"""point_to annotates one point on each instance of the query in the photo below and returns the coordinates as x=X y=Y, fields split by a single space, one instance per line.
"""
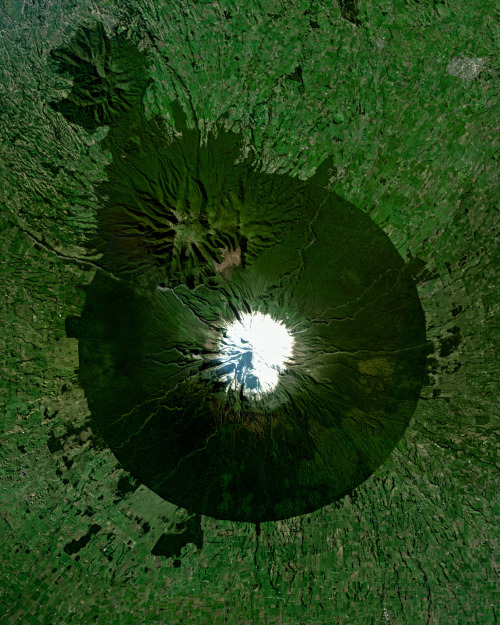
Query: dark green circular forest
x=192 y=236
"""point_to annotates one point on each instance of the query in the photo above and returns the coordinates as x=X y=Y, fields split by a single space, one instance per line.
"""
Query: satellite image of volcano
x=250 y=270
x=195 y=242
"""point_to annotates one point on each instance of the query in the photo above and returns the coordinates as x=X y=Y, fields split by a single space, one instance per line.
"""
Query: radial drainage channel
x=253 y=351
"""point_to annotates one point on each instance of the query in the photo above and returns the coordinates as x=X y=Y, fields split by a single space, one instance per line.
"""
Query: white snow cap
x=253 y=351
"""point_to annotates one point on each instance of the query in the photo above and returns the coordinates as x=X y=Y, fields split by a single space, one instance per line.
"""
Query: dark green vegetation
x=173 y=211
x=406 y=106
x=145 y=365
x=110 y=77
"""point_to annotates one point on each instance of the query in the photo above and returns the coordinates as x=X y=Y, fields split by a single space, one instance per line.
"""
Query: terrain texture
x=390 y=110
